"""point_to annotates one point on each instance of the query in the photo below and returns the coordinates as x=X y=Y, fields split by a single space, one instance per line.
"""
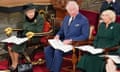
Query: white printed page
x=90 y=49
x=115 y=58
x=85 y=47
x=66 y=48
x=96 y=51
x=15 y=40
x=53 y=43
x=20 y=40
x=57 y=44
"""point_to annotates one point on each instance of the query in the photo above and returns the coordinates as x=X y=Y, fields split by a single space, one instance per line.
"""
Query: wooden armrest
x=85 y=42
x=50 y=37
x=106 y=50
x=37 y=34
x=17 y=29
x=44 y=33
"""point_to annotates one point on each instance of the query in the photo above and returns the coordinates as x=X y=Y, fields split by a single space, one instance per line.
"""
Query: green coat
x=105 y=38
x=35 y=26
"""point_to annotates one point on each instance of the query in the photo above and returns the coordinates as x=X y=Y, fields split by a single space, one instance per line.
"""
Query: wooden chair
x=93 y=21
x=74 y=56
x=48 y=30
x=75 y=53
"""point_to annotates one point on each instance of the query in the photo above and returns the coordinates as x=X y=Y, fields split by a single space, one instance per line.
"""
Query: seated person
x=108 y=36
x=71 y=30
x=33 y=23
x=112 y=5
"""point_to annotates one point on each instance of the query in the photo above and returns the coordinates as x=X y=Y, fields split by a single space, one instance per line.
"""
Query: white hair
x=72 y=3
x=111 y=14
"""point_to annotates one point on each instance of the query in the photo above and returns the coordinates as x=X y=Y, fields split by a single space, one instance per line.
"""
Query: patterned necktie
x=69 y=23
x=72 y=18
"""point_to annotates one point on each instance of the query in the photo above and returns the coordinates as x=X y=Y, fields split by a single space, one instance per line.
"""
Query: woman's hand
x=29 y=35
x=8 y=31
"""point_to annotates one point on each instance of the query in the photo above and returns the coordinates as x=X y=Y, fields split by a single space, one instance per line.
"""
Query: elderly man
x=75 y=27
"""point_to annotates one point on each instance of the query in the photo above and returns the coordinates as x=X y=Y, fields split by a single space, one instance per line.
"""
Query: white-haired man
x=75 y=27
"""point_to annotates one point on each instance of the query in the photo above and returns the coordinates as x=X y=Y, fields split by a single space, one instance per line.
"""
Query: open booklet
x=58 y=44
x=15 y=40
x=90 y=49
x=115 y=58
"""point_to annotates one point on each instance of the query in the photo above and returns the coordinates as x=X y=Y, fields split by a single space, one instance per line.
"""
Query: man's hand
x=8 y=31
x=57 y=37
x=68 y=41
x=29 y=35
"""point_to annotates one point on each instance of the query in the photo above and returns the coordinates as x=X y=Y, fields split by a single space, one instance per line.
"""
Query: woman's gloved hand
x=29 y=35
x=8 y=31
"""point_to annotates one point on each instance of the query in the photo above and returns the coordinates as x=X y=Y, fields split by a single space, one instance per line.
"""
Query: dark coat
x=106 y=38
x=35 y=25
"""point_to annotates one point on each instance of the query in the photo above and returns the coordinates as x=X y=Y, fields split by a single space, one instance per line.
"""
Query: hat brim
x=29 y=7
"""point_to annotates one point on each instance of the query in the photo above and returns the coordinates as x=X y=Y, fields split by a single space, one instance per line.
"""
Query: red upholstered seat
x=118 y=19
x=46 y=28
x=93 y=17
x=3 y=65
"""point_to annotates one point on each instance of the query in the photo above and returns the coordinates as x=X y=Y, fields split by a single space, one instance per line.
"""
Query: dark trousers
x=53 y=58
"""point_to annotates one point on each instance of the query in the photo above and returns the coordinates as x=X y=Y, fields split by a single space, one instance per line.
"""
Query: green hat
x=29 y=7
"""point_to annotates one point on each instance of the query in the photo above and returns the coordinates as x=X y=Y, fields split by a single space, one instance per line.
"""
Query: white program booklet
x=115 y=58
x=15 y=40
x=58 y=44
x=90 y=49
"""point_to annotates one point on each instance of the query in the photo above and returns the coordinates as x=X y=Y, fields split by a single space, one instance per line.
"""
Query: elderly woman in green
x=108 y=36
x=33 y=23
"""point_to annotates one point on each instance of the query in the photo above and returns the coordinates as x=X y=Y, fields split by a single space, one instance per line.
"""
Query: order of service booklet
x=115 y=58
x=15 y=40
x=90 y=49
x=58 y=44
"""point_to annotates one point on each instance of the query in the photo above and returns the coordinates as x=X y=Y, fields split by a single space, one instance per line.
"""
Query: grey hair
x=111 y=14
x=73 y=3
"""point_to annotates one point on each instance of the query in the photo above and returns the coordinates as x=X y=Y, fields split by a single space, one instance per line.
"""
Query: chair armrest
x=50 y=37
x=44 y=33
x=85 y=42
x=38 y=34
x=107 y=50
x=17 y=29
x=75 y=58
